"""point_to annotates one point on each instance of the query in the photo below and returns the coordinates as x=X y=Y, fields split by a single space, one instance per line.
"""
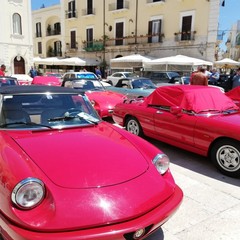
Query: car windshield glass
x=173 y=74
x=130 y=74
x=46 y=111
x=88 y=85
x=143 y=83
x=86 y=75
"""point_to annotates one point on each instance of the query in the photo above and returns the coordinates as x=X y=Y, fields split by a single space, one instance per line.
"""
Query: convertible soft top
x=191 y=98
x=234 y=94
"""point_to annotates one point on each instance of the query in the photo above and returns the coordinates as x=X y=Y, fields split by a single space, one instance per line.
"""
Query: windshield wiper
x=24 y=123
x=82 y=115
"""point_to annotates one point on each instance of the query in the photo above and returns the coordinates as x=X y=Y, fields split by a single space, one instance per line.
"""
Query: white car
x=113 y=79
x=23 y=79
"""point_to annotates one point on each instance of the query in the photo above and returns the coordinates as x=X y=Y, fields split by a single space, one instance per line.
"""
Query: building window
x=119 y=33
x=120 y=4
x=39 y=47
x=57 y=28
x=71 y=9
x=73 y=39
x=38 y=30
x=58 y=48
x=89 y=6
x=154 y=31
x=17 y=24
x=186 y=28
x=89 y=34
x=238 y=40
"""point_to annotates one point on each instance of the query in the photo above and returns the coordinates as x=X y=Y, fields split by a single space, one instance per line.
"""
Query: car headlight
x=161 y=162
x=28 y=193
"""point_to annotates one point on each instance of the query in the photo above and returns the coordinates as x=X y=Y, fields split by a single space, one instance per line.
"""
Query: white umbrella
x=73 y=61
x=46 y=61
x=226 y=63
x=131 y=58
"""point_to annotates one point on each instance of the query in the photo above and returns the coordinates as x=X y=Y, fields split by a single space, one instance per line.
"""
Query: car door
x=175 y=127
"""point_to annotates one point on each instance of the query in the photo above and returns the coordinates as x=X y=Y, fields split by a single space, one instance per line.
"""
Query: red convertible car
x=102 y=99
x=58 y=182
x=234 y=94
x=196 y=118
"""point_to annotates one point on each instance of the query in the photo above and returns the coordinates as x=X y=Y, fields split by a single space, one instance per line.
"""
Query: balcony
x=185 y=36
x=130 y=40
x=88 y=11
x=155 y=2
x=53 y=32
x=93 y=46
x=70 y=14
x=116 y=7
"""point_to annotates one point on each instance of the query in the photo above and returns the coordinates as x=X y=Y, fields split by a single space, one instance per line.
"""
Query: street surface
x=211 y=204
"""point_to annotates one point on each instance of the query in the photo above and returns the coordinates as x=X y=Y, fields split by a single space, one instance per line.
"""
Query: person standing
x=214 y=77
x=33 y=72
x=199 y=78
x=236 y=79
x=98 y=72
x=2 y=70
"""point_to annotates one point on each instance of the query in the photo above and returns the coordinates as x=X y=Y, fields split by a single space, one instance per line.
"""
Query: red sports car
x=234 y=94
x=57 y=180
x=196 y=118
x=103 y=100
x=46 y=80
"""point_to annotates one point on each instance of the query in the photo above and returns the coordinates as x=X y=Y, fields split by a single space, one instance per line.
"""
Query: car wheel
x=133 y=126
x=225 y=154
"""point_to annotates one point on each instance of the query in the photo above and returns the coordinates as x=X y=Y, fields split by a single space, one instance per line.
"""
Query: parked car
x=113 y=79
x=46 y=80
x=54 y=74
x=225 y=81
x=8 y=81
x=234 y=94
x=23 y=79
x=58 y=182
x=134 y=87
x=199 y=119
x=161 y=78
x=102 y=99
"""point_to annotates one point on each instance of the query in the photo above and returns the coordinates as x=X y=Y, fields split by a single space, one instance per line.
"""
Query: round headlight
x=161 y=162
x=28 y=193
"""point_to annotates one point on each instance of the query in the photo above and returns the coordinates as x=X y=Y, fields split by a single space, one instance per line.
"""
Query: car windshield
x=143 y=83
x=46 y=111
x=87 y=85
x=86 y=75
x=130 y=74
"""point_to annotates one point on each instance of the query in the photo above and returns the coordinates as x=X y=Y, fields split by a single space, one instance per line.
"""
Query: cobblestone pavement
x=211 y=204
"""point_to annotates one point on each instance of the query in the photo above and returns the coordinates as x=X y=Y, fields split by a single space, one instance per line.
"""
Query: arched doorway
x=19 y=65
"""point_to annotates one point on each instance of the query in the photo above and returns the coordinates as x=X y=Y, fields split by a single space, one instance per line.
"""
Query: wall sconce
x=130 y=20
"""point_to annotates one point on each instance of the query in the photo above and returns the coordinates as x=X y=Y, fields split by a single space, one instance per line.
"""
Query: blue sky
x=229 y=14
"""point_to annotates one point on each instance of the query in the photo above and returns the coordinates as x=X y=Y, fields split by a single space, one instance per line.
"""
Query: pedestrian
x=196 y=71
x=33 y=72
x=2 y=70
x=236 y=79
x=199 y=78
x=98 y=72
x=214 y=77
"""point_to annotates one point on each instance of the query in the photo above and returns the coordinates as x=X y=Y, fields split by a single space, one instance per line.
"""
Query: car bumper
x=151 y=221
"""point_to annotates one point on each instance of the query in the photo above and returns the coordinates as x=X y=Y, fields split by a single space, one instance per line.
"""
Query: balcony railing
x=114 y=6
x=185 y=36
x=88 y=11
x=71 y=14
x=93 y=46
x=53 y=32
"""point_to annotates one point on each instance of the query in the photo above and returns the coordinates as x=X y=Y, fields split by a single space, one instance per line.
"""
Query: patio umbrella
x=72 y=61
x=227 y=63
x=46 y=61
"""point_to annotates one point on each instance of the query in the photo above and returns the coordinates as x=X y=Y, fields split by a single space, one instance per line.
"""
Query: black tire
x=225 y=155
x=134 y=127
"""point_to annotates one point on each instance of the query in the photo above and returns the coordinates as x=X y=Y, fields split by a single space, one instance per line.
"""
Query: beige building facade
x=106 y=29
x=16 y=43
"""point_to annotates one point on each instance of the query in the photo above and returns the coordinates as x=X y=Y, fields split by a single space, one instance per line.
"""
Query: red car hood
x=85 y=157
x=106 y=97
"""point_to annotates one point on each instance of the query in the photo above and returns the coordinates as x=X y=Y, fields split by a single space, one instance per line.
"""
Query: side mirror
x=176 y=110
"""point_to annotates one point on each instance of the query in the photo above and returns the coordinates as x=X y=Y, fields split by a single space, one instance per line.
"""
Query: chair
x=13 y=113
